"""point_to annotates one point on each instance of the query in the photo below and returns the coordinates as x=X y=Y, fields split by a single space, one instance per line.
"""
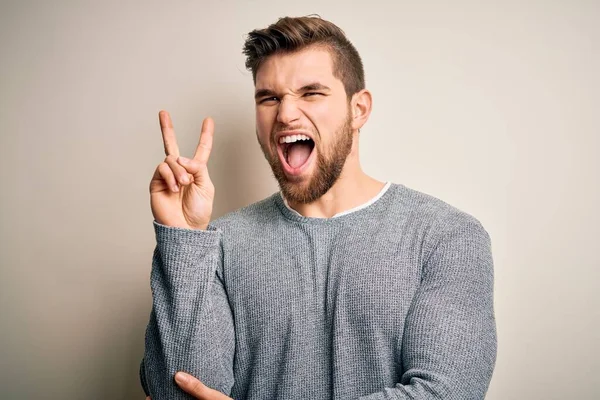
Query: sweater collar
x=295 y=215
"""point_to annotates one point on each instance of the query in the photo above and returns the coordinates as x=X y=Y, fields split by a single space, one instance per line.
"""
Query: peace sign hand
x=181 y=192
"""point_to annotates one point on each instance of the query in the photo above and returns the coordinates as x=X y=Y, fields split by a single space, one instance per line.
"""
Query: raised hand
x=181 y=192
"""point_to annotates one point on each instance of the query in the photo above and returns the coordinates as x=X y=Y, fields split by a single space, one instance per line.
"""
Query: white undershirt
x=367 y=204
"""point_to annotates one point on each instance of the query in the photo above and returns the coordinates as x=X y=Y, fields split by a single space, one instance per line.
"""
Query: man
x=340 y=286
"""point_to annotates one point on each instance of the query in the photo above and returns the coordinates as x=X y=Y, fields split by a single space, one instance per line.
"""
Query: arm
x=191 y=325
x=449 y=345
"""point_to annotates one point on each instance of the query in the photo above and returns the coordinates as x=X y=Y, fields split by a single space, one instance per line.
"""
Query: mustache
x=285 y=128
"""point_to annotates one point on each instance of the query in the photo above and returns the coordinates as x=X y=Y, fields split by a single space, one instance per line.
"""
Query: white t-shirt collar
x=365 y=205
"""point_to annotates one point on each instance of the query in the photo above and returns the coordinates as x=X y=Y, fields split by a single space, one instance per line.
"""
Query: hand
x=181 y=192
x=193 y=386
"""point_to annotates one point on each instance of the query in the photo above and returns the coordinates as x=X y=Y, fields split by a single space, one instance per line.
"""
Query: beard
x=329 y=165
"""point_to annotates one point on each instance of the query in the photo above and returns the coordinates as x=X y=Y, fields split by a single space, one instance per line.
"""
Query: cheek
x=326 y=119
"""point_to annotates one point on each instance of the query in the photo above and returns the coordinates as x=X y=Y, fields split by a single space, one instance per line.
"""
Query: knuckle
x=166 y=173
x=163 y=167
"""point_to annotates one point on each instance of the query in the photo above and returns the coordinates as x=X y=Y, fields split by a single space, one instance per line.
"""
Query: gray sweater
x=393 y=301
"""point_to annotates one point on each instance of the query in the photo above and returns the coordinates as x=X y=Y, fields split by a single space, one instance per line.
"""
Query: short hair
x=289 y=35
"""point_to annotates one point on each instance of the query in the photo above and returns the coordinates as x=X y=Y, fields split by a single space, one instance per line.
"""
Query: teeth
x=293 y=138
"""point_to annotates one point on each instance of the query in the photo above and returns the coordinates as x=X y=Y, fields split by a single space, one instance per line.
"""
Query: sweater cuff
x=181 y=236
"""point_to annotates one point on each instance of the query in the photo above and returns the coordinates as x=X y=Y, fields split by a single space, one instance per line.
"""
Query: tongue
x=298 y=153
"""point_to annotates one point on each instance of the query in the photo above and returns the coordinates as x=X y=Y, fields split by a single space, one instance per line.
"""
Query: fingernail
x=175 y=188
x=181 y=378
x=183 y=160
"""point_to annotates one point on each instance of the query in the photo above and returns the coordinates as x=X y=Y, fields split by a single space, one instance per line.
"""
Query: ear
x=361 y=104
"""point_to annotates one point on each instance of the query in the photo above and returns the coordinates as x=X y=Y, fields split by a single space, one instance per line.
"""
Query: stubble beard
x=326 y=171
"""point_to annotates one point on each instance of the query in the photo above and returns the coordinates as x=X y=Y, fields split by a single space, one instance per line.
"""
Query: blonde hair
x=289 y=35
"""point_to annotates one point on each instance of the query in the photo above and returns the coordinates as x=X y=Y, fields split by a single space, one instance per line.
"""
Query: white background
x=491 y=106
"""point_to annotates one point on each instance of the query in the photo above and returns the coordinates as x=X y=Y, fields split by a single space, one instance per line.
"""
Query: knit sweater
x=391 y=301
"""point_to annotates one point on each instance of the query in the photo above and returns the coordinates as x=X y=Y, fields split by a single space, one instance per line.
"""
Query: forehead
x=294 y=70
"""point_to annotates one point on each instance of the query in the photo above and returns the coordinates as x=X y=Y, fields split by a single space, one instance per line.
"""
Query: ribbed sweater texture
x=392 y=301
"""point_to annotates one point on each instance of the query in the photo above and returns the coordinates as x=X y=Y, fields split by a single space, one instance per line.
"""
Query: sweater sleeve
x=449 y=345
x=191 y=324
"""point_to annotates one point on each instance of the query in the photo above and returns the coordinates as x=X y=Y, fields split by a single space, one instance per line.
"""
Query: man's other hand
x=193 y=386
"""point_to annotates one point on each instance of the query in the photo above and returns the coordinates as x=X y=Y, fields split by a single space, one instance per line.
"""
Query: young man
x=338 y=287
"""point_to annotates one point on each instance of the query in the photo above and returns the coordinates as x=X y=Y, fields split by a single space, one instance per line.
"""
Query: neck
x=352 y=189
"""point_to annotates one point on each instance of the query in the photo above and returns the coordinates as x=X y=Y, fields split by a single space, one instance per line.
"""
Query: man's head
x=309 y=82
x=288 y=35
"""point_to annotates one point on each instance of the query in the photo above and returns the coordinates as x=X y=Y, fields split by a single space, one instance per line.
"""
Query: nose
x=288 y=111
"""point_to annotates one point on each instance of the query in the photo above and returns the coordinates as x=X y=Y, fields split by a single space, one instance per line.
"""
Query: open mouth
x=296 y=152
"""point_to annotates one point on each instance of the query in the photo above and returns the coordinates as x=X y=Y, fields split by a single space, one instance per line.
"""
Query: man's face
x=303 y=122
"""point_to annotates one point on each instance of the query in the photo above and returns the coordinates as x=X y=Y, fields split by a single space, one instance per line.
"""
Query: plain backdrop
x=492 y=106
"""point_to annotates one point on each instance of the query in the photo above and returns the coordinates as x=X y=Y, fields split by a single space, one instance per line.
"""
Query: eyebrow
x=313 y=86
x=306 y=88
x=264 y=93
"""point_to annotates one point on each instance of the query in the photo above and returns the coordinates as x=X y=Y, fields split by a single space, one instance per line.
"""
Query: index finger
x=168 y=134
x=206 y=140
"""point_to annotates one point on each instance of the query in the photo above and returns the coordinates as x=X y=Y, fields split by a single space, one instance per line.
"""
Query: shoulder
x=437 y=217
x=450 y=239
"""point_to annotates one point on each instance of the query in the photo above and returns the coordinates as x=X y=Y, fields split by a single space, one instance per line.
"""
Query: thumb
x=196 y=168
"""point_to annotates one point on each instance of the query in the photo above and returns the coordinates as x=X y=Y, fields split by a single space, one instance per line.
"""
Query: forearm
x=466 y=379
x=449 y=344
x=190 y=327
